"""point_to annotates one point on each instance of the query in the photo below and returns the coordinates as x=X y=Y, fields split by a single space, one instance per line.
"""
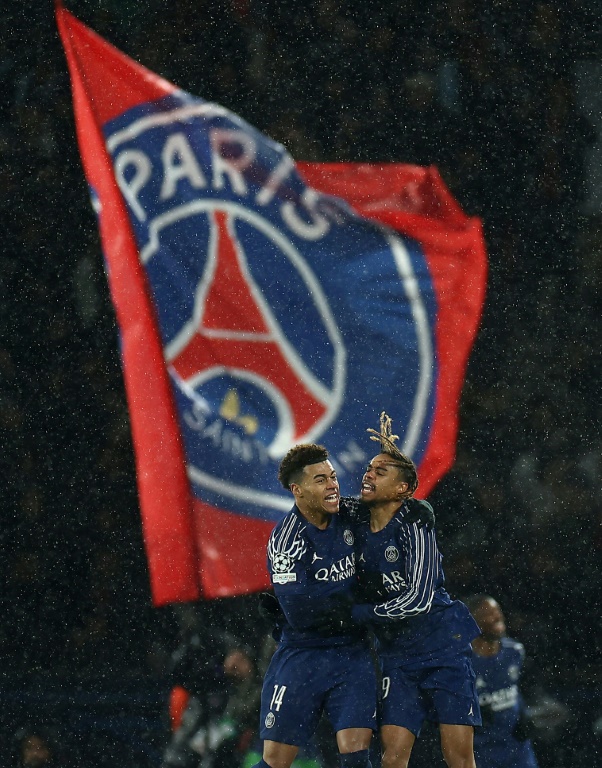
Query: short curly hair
x=300 y=456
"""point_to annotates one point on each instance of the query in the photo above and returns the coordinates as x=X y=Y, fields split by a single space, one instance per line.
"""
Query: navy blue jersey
x=311 y=570
x=497 y=680
x=419 y=619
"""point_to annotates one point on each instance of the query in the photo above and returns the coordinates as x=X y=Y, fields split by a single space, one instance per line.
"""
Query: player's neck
x=483 y=647
x=382 y=514
x=319 y=519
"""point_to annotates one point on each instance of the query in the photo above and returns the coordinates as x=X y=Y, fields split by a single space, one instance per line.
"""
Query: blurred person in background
x=198 y=695
x=39 y=747
x=504 y=740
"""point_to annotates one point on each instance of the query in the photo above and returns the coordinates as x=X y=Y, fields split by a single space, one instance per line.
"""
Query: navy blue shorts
x=442 y=691
x=301 y=683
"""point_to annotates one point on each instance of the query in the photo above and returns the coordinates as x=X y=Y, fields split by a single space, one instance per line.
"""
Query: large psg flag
x=262 y=304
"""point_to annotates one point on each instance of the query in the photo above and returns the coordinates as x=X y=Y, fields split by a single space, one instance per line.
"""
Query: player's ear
x=403 y=491
x=296 y=490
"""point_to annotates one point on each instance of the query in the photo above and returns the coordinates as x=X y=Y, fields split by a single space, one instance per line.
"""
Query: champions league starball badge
x=281 y=563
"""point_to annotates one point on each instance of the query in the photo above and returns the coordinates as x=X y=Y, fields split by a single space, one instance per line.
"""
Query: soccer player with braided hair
x=424 y=637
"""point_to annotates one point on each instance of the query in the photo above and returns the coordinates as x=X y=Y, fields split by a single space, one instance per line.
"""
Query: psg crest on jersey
x=262 y=304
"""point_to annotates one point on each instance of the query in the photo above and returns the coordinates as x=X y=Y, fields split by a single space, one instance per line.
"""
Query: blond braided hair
x=387 y=439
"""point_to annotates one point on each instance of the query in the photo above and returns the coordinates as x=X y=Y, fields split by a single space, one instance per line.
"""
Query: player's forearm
x=391 y=611
x=421 y=568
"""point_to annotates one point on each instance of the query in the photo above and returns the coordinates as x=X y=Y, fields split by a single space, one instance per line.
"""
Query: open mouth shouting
x=367 y=488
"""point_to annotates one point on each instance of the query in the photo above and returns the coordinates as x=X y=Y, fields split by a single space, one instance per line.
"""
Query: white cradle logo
x=270 y=720
x=348 y=537
x=391 y=554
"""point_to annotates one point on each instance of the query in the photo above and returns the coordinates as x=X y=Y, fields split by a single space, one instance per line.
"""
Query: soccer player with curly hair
x=318 y=665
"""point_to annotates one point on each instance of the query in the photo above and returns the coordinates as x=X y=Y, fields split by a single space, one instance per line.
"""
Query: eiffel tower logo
x=233 y=332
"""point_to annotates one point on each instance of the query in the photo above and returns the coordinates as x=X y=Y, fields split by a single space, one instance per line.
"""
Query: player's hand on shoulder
x=420 y=512
x=355 y=508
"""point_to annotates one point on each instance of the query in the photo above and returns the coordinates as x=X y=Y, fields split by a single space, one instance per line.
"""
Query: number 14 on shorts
x=277 y=697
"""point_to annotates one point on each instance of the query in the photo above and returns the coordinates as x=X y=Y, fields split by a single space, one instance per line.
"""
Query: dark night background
x=491 y=92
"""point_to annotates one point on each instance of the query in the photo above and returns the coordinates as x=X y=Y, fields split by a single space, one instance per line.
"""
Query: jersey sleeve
x=287 y=547
x=421 y=555
x=289 y=556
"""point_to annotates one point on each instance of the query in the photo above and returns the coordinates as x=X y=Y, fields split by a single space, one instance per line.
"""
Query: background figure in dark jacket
x=198 y=696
